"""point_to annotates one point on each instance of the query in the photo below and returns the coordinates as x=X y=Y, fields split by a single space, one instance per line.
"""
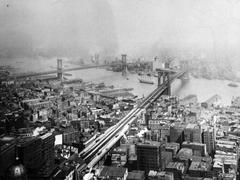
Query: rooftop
x=136 y=175
x=150 y=144
x=199 y=166
x=175 y=165
x=109 y=171
x=192 y=126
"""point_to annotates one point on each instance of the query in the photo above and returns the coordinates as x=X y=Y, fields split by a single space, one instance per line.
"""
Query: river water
x=203 y=88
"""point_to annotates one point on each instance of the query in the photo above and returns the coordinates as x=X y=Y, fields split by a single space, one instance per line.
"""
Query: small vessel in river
x=232 y=85
x=146 y=80
x=67 y=74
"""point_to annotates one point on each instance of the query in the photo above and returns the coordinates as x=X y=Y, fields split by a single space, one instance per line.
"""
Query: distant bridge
x=59 y=71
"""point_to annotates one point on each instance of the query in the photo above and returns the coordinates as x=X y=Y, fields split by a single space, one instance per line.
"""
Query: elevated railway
x=102 y=144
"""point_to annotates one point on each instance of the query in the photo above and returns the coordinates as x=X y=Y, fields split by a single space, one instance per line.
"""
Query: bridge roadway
x=24 y=75
x=93 y=153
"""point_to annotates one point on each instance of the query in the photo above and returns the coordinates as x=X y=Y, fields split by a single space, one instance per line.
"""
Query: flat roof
x=112 y=171
x=199 y=166
x=176 y=165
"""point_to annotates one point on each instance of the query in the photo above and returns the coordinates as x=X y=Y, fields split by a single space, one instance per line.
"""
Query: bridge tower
x=124 y=64
x=184 y=66
x=59 y=69
x=163 y=79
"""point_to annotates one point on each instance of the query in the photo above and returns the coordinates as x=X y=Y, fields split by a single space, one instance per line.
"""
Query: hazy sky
x=136 y=27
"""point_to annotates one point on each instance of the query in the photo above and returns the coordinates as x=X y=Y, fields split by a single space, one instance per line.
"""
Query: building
x=113 y=173
x=47 y=148
x=172 y=147
x=185 y=154
x=198 y=149
x=136 y=175
x=166 y=157
x=37 y=154
x=209 y=139
x=119 y=155
x=149 y=156
x=200 y=169
x=176 y=132
x=29 y=151
x=157 y=63
x=70 y=136
x=164 y=132
x=7 y=154
x=193 y=133
x=177 y=168
x=162 y=175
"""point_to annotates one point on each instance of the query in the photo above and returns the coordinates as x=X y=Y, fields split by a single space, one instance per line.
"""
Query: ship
x=67 y=74
x=146 y=80
x=232 y=85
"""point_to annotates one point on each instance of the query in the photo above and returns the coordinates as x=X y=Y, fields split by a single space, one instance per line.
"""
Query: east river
x=203 y=88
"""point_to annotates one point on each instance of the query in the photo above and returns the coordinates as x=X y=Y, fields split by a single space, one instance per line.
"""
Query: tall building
x=193 y=133
x=149 y=156
x=7 y=154
x=30 y=153
x=176 y=132
x=48 y=140
x=71 y=136
x=209 y=138
x=37 y=154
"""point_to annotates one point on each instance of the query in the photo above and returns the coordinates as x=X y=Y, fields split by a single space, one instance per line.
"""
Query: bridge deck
x=23 y=75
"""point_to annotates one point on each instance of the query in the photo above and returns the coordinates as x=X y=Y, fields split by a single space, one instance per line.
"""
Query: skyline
x=137 y=28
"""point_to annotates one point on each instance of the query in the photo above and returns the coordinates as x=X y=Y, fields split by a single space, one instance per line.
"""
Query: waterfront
x=203 y=88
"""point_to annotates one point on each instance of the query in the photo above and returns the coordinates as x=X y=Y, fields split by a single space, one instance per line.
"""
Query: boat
x=232 y=85
x=67 y=74
x=145 y=80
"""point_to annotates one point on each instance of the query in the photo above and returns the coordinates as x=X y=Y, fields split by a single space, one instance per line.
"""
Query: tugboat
x=232 y=85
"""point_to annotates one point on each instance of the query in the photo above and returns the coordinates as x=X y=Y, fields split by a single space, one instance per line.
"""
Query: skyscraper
x=29 y=152
x=149 y=156
x=176 y=132
x=48 y=140
x=209 y=138
x=193 y=133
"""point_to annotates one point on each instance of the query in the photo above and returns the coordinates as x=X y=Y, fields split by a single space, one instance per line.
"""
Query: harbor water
x=203 y=88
